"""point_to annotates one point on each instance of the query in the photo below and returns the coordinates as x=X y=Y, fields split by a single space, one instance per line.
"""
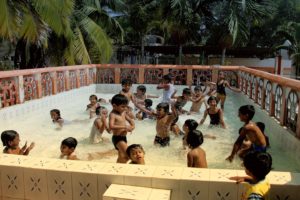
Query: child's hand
x=238 y=179
x=129 y=128
x=31 y=146
x=230 y=158
x=24 y=147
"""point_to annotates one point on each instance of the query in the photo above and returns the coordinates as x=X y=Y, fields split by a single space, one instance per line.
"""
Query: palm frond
x=8 y=19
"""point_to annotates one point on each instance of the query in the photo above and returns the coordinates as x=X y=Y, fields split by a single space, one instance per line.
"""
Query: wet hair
x=194 y=138
x=7 y=136
x=247 y=110
x=119 y=99
x=148 y=103
x=93 y=96
x=142 y=88
x=69 y=142
x=164 y=106
x=167 y=78
x=56 y=111
x=99 y=109
x=126 y=82
x=198 y=88
x=186 y=91
x=258 y=163
x=211 y=98
x=133 y=146
x=191 y=124
x=261 y=126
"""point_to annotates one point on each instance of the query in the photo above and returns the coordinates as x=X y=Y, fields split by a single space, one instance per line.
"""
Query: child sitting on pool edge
x=136 y=154
x=117 y=124
x=11 y=141
x=67 y=148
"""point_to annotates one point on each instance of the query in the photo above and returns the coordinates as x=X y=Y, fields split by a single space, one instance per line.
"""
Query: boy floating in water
x=117 y=124
x=250 y=131
x=67 y=148
x=11 y=141
x=136 y=154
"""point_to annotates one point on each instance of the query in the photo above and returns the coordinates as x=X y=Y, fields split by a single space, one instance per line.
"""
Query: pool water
x=39 y=128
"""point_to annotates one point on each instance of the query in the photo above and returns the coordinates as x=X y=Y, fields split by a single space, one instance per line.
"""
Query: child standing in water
x=11 y=141
x=140 y=96
x=136 y=154
x=67 y=148
x=142 y=115
x=197 y=100
x=56 y=118
x=196 y=157
x=250 y=131
x=257 y=166
x=99 y=125
x=215 y=113
x=126 y=86
x=168 y=88
x=93 y=105
x=117 y=124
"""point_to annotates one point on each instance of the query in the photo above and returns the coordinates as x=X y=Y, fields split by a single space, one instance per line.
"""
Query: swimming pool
x=37 y=126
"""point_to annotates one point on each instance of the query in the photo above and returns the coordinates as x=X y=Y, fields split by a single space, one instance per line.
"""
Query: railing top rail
x=24 y=72
x=283 y=81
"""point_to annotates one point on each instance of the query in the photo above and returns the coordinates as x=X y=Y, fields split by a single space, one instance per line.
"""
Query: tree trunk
x=180 y=54
x=223 y=56
x=20 y=55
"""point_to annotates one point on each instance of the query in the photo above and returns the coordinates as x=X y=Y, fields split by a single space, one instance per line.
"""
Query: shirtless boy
x=117 y=124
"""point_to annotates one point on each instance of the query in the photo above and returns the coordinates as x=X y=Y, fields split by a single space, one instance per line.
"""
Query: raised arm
x=221 y=118
x=203 y=118
x=163 y=86
x=232 y=88
x=143 y=109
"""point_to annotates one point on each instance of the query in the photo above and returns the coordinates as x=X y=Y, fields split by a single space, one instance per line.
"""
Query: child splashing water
x=11 y=141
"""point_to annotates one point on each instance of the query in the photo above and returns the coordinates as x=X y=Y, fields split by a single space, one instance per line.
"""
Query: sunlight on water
x=39 y=128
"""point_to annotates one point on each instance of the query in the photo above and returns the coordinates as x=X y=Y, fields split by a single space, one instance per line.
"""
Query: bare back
x=254 y=134
x=197 y=158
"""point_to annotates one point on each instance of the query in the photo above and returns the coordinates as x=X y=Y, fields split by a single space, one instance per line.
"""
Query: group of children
x=251 y=145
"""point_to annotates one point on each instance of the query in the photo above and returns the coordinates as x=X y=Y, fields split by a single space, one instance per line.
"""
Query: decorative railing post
x=189 y=76
x=141 y=75
x=298 y=122
x=67 y=79
x=283 y=107
x=272 y=104
x=117 y=75
x=215 y=71
x=77 y=72
x=263 y=96
x=54 y=82
x=87 y=77
x=165 y=71
x=256 y=91
x=20 y=84
x=38 y=78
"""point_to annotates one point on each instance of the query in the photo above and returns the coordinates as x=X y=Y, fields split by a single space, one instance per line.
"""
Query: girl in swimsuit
x=215 y=113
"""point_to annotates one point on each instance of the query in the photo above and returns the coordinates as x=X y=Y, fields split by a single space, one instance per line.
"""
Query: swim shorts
x=118 y=138
x=162 y=141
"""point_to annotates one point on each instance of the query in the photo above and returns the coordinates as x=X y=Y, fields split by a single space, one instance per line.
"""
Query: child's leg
x=122 y=156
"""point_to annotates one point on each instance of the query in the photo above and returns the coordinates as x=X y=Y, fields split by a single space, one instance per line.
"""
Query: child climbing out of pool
x=99 y=125
x=167 y=87
x=257 y=166
x=140 y=96
x=215 y=113
x=189 y=126
x=94 y=103
x=118 y=119
x=56 y=118
x=11 y=141
x=198 y=98
x=148 y=106
x=250 y=131
x=164 y=119
x=136 y=154
x=67 y=149
x=196 y=156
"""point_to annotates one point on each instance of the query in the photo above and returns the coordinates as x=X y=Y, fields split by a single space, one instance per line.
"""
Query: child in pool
x=257 y=166
x=168 y=88
x=189 y=126
x=142 y=115
x=117 y=124
x=91 y=107
x=56 y=118
x=126 y=86
x=99 y=125
x=196 y=157
x=215 y=113
x=140 y=96
x=198 y=98
x=11 y=141
x=136 y=154
x=182 y=100
x=250 y=131
x=164 y=119
x=67 y=148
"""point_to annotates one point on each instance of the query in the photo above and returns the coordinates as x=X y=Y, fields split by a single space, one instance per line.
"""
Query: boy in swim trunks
x=117 y=124
x=164 y=119
x=250 y=131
